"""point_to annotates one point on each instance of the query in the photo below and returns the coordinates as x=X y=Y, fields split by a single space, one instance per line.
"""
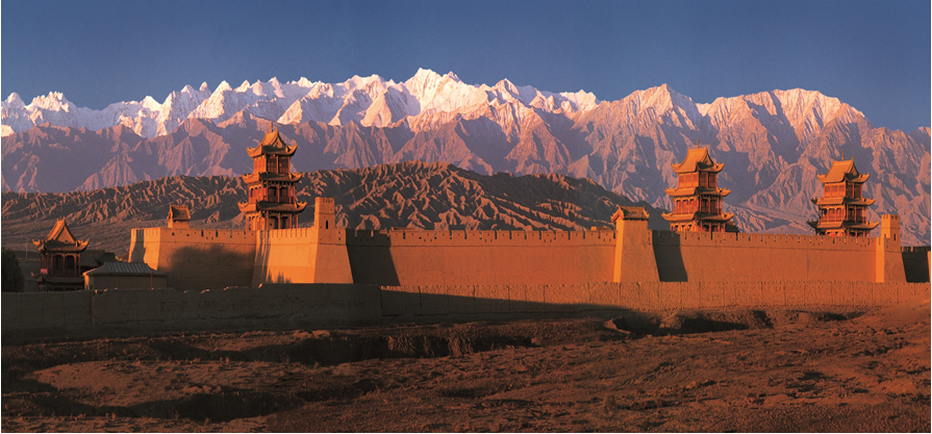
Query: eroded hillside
x=414 y=194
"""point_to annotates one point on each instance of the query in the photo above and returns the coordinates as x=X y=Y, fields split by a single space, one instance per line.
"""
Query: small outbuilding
x=124 y=275
x=178 y=216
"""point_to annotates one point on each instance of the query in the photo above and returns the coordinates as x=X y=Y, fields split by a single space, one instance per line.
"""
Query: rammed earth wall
x=201 y=258
x=444 y=257
x=711 y=257
x=303 y=306
x=197 y=258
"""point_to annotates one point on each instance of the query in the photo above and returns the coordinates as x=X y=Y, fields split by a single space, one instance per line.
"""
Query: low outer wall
x=142 y=311
x=463 y=302
x=296 y=306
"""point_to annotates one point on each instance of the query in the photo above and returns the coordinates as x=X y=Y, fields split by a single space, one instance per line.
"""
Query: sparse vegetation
x=12 y=273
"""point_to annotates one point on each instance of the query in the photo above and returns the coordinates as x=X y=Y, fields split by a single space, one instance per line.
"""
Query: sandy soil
x=721 y=371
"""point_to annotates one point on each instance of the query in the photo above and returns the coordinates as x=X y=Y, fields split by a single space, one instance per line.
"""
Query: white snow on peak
x=14 y=101
x=222 y=87
x=304 y=82
x=426 y=100
x=55 y=101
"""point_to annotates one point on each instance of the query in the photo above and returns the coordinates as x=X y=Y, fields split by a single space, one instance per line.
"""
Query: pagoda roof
x=256 y=177
x=843 y=170
x=822 y=201
x=272 y=206
x=60 y=239
x=693 y=191
x=272 y=144
x=697 y=160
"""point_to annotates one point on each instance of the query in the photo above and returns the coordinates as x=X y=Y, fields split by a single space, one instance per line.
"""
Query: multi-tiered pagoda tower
x=271 y=185
x=697 y=200
x=842 y=207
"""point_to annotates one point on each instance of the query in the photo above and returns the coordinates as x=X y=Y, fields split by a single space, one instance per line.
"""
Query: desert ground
x=740 y=370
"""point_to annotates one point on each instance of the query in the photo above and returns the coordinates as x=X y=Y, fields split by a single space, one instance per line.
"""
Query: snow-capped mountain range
x=427 y=98
x=773 y=143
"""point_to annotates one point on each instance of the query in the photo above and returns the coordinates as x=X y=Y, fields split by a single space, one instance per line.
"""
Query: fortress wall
x=304 y=306
x=709 y=257
x=285 y=256
x=197 y=259
x=443 y=257
x=302 y=255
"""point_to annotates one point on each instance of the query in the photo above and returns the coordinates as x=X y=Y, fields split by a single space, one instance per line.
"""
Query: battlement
x=467 y=238
x=890 y=226
x=198 y=235
x=757 y=240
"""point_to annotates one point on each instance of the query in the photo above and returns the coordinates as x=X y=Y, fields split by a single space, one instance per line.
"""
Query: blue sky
x=873 y=55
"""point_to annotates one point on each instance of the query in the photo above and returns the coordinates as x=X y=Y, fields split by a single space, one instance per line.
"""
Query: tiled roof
x=125 y=268
x=697 y=159
x=842 y=170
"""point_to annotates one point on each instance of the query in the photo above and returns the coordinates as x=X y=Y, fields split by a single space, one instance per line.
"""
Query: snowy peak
x=426 y=101
x=14 y=101
x=806 y=112
x=55 y=101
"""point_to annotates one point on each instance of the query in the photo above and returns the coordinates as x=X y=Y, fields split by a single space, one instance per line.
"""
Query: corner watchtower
x=271 y=185
x=697 y=200
x=842 y=207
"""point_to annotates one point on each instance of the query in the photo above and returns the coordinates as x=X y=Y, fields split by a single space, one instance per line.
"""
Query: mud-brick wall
x=711 y=257
x=444 y=257
x=197 y=259
x=302 y=306
x=479 y=302
x=136 y=311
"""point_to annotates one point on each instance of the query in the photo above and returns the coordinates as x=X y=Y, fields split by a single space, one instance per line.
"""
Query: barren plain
x=742 y=370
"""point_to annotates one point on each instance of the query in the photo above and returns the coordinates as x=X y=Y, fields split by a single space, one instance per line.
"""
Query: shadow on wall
x=916 y=263
x=502 y=303
x=371 y=261
x=198 y=268
x=669 y=257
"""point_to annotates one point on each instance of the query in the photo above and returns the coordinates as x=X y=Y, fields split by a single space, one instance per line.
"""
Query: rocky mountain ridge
x=406 y=195
x=773 y=143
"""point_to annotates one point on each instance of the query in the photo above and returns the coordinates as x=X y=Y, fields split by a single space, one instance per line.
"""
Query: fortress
x=274 y=274
x=702 y=249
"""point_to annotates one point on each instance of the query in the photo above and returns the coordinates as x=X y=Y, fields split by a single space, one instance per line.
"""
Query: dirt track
x=762 y=371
